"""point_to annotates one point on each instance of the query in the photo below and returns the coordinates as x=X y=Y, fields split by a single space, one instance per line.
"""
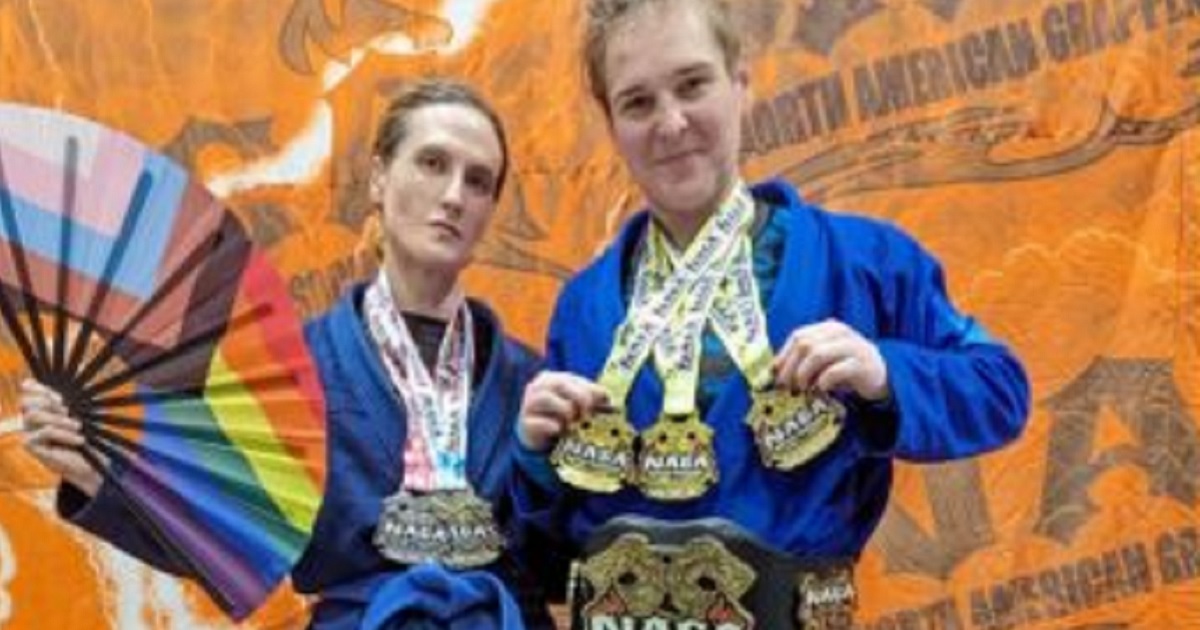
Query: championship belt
x=453 y=528
x=790 y=429
x=704 y=574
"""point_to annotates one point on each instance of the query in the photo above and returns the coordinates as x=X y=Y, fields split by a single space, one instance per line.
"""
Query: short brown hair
x=434 y=91
x=604 y=15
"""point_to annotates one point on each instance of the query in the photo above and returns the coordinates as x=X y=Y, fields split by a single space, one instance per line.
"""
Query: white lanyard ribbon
x=437 y=404
x=674 y=296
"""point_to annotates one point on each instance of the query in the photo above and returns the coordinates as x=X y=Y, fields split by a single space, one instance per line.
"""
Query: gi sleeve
x=955 y=391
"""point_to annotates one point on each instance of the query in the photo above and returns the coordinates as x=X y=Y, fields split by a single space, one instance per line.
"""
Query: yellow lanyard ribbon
x=674 y=296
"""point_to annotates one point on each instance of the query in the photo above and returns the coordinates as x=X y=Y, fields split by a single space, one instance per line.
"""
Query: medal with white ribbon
x=666 y=314
x=789 y=429
x=436 y=515
x=677 y=460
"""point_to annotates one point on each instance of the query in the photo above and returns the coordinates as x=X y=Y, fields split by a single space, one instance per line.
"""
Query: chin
x=433 y=257
x=686 y=199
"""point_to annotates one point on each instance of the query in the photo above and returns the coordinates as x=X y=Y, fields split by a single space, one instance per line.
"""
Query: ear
x=741 y=79
x=378 y=177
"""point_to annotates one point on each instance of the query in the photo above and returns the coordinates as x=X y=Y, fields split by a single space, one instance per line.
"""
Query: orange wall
x=1048 y=152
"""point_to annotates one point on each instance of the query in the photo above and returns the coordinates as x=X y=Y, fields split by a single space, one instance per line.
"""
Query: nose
x=452 y=194
x=672 y=119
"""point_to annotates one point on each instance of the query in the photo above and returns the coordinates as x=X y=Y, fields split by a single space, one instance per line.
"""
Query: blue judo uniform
x=366 y=423
x=955 y=391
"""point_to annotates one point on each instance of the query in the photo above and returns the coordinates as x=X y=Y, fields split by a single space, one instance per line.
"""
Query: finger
x=37 y=419
x=549 y=428
x=816 y=361
x=778 y=364
x=57 y=436
x=41 y=402
x=789 y=357
x=803 y=339
x=34 y=389
x=585 y=393
x=841 y=375
x=66 y=462
x=550 y=404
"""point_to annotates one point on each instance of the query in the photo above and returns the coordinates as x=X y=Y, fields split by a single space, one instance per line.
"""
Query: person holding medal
x=728 y=384
x=422 y=390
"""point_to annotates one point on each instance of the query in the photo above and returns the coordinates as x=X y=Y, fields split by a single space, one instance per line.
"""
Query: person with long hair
x=422 y=391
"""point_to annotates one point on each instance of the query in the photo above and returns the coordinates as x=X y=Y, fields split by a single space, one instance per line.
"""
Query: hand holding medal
x=672 y=297
x=594 y=448
x=596 y=452
x=796 y=420
x=675 y=296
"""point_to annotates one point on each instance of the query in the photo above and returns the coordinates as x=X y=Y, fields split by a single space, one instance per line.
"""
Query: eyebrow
x=700 y=67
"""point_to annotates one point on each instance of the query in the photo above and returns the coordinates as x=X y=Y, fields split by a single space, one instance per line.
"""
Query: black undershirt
x=427 y=333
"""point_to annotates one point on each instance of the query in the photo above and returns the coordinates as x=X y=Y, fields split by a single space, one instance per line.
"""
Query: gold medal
x=790 y=429
x=454 y=528
x=596 y=453
x=677 y=461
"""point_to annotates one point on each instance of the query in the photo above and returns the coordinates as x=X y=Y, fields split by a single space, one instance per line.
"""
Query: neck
x=681 y=230
x=423 y=291
x=682 y=227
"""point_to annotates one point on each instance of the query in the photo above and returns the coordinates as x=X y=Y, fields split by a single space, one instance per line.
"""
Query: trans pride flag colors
x=127 y=287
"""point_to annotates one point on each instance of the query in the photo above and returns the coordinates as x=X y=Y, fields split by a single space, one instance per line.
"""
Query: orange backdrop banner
x=1047 y=151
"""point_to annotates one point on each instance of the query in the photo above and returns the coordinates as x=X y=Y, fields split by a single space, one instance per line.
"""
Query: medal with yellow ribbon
x=596 y=453
x=789 y=429
x=674 y=297
x=677 y=460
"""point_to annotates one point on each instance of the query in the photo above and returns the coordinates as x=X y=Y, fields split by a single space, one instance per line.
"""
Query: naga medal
x=677 y=461
x=596 y=453
x=454 y=528
x=435 y=516
x=672 y=296
x=790 y=429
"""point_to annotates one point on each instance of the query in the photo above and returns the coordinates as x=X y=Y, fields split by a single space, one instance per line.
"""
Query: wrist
x=532 y=443
x=88 y=484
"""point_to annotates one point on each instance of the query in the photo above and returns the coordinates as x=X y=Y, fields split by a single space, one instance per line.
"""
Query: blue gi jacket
x=955 y=391
x=366 y=425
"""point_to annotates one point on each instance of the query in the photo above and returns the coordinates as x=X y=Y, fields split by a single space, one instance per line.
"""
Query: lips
x=675 y=158
x=446 y=227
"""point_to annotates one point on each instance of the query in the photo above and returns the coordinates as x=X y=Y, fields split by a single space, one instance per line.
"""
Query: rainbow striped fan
x=131 y=291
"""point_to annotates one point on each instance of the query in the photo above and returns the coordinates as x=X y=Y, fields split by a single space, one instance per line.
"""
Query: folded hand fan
x=130 y=290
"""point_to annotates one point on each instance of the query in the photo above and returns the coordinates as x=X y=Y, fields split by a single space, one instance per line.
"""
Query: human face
x=438 y=190
x=675 y=113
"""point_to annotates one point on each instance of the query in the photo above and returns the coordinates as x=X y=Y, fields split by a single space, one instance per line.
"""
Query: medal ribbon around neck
x=437 y=404
x=726 y=295
x=674 y=296
x=671 y=302
x=677 y=459
x=789 y=429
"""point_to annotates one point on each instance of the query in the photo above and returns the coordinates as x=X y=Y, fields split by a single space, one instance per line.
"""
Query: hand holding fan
x=131 y=291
